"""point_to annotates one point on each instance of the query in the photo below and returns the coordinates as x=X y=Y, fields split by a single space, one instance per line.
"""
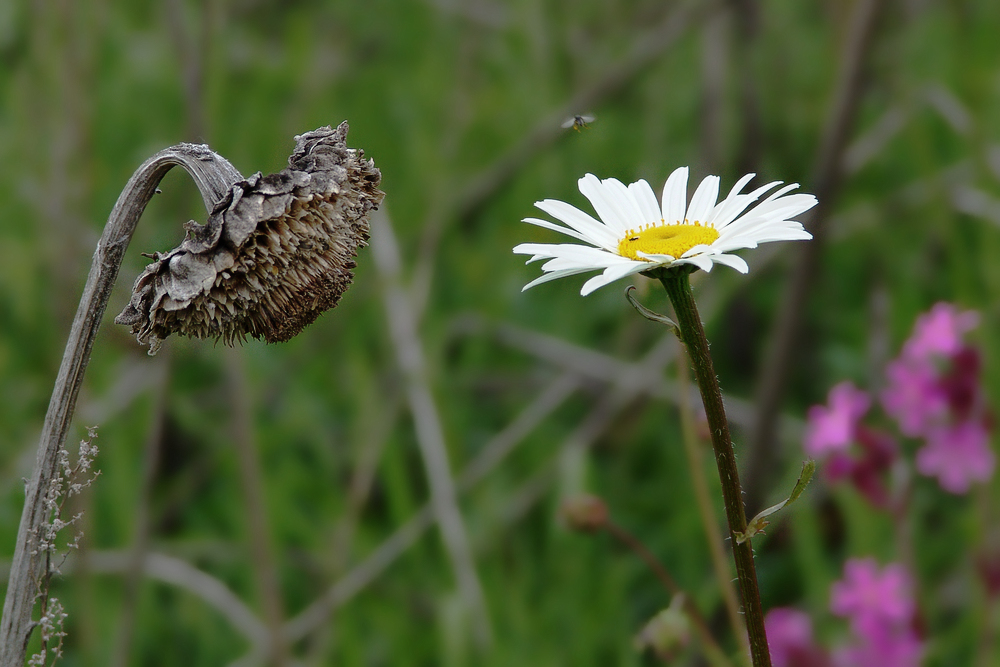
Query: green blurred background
x=277 y=471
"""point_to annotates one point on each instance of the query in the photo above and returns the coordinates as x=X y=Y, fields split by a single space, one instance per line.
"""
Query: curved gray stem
x=214 y=176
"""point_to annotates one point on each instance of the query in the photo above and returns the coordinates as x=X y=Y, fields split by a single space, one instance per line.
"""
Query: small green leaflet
x=759 y=522
x=651 y=315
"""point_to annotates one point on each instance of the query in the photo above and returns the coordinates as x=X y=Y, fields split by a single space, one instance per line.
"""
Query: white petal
x=699 y=249
x=546 y=277
x=571 y=261
x=732 y=261
x=625 y=202
x=597 y=233
x=604 y=204
x=543 y=249
x=557 y=228
x=701 y=261
x=703 y=200
x=738 y=187
x=735 y=203
x=675 y=196
x=656 y=257
x=786 y=207
x=646 y=200
x=610 y=275
x=752 y=224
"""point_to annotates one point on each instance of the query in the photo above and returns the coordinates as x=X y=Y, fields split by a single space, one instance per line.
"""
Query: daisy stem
x=678 y=287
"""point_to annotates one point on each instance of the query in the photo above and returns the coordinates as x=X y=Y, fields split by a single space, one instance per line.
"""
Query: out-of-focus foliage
x=436 y=91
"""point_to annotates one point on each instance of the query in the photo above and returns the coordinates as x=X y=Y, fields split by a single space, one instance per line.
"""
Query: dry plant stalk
x=275 y=253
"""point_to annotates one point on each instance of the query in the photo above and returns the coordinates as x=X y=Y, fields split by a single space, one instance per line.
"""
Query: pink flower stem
x=678 y=287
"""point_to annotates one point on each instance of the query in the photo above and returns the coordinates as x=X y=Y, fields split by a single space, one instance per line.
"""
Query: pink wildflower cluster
x=790 y=639
x=933 y=393
x=832 y=429
x=882 y=615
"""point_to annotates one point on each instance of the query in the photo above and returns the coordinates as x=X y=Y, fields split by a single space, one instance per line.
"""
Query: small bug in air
x=578 y=122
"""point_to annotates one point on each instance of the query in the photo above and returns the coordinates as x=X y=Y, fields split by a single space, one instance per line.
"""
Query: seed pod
x=584 y=512
x=276 y=251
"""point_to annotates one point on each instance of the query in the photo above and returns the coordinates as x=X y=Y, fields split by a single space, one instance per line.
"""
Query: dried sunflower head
x=276 y=251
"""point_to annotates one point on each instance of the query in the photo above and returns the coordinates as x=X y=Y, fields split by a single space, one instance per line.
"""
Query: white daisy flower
x=635 y=233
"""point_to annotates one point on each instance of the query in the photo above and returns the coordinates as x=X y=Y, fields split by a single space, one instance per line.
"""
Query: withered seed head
x=275 y=253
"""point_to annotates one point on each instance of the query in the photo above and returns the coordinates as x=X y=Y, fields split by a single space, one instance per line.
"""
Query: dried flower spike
x=276 y=251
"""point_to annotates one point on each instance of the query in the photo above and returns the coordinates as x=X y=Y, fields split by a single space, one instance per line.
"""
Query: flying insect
x=578 y=122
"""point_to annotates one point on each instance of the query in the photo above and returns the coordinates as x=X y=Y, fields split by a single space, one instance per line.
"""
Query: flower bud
x=667 y=632
x=584 y=512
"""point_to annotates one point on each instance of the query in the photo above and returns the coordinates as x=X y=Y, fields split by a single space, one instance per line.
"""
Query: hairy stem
x=678 y=287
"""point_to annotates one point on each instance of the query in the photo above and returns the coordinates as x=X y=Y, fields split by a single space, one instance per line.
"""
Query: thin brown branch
x=141 y=517
x=826 y=181
x=589 y=363
x=746 y=15
x=429 y=431
x=660 y=572
x=629 y=386
x=179 y=573
x=716 y=551
x=396 y=545
x=252 y=483
x=645 y=50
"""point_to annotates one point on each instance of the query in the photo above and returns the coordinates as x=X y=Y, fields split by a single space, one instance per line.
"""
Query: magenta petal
x=957 y=455
x=912 y=395
x=871 y=598
x=939 y=331
x=830 y=428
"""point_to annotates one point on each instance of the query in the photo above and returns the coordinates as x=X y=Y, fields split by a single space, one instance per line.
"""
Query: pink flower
x=957 y=454
x=873 y=600
x=867 y=472
x=960 y=385
x=831 y=429
x=894 y=647
x=789 y=637
x=913 y=395
x=939 y=332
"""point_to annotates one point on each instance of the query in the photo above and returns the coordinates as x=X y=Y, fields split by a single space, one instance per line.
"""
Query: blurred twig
x=430 y=436
x=258 y=525
x=825 y=182
x=630 y=383
x=646 y=49
x=491 y=455
x=716 y=552
x=716 y=656
x=746 y=15
x=177 y=572
x=377 y=417
x=589 y=363
x=714 y=56
x=140 y=539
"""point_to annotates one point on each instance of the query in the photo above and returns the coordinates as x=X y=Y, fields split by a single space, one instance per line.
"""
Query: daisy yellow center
x=673 y=240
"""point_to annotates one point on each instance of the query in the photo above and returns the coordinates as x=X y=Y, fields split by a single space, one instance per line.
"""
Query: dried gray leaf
x=276 y=251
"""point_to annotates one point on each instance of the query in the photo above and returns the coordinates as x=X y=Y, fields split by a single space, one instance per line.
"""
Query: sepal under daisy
x=637 y=233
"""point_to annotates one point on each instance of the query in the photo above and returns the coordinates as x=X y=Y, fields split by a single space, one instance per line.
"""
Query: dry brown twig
x=430 y=435
x=826 y=180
